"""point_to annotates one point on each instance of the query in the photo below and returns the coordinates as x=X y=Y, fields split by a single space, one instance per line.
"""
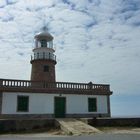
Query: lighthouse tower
x=43 y=59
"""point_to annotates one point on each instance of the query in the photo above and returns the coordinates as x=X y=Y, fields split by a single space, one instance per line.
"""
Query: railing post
x=43 y=55
x=37 y=55
x=90 y=85
x=8 y=83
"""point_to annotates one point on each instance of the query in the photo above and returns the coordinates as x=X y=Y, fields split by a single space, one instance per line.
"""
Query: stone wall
x=12 y=125
x=26 y=125
x=106 y=122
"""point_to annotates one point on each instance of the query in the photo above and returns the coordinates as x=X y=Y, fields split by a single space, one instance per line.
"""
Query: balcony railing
x=48 y=56
x=9 y=83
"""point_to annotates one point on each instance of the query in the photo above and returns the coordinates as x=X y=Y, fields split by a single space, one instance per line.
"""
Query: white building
x=42 y=96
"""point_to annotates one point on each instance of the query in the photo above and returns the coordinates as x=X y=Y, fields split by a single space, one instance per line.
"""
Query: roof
x=44 y=35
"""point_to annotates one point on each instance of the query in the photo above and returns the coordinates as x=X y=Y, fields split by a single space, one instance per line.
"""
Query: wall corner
x=1 y=103
x=108 y=106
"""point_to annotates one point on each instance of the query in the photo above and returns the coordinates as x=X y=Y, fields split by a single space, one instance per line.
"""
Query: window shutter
x=22 y=103
x=92 y=104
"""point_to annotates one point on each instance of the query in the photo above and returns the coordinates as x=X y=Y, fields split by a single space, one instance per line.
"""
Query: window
x=92 y=104
x=23 y=103
x=50 y=44
x=43 y=43
x=46 y=68
x=37 y=55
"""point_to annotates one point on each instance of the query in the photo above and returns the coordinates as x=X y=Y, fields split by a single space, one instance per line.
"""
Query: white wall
x=79 y=103
x=41 y=103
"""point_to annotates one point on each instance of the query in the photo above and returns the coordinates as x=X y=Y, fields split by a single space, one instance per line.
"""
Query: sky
x=95 y=40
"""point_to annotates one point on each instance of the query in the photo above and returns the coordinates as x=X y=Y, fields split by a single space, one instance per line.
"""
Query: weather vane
x=45 y=28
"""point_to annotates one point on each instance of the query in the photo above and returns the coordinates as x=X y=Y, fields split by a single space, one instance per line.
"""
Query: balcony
x=47 y=56
x=57 y=87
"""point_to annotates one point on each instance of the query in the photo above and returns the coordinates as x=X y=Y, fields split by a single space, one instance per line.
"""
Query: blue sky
x=95 y=40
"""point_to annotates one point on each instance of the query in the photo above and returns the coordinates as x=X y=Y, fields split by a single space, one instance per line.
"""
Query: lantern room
x=43 y=39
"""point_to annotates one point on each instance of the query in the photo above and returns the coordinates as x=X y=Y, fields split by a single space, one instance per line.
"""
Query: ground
x=112 y=133
x=120 y=130
x=96 y=137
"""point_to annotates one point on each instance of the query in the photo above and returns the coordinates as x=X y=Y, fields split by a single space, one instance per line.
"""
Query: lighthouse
x=44 y=97
x=43 y=59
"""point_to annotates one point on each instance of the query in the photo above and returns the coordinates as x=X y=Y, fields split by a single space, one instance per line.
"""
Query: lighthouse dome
x=44 y=35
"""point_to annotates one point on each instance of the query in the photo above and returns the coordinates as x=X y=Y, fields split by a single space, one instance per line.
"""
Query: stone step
x=76 y=127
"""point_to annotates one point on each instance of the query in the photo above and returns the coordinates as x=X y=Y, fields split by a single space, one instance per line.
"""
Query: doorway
x=59 y=107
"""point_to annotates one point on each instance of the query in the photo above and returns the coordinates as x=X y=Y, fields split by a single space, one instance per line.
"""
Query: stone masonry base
x=15 y=125
x=48 y=116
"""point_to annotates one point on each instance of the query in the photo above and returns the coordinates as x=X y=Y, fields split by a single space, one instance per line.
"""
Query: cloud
x=11 y=1
x=5 y=16
x=2 y=3
x=135 y=19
